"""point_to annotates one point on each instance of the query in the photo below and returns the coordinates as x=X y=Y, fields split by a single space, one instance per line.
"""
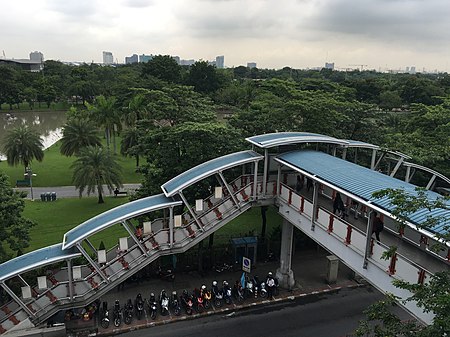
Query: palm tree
x=94 y=168
x=129 y=143
x=21 y=145
x=77 y=134
x=104 y=113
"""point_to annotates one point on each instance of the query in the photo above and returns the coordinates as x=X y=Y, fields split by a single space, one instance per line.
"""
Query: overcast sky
x=274 y=33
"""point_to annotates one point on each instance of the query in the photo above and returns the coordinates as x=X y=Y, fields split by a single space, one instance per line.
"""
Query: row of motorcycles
x=199 y=300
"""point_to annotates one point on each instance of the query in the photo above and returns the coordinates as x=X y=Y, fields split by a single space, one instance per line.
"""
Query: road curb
x=229 y=309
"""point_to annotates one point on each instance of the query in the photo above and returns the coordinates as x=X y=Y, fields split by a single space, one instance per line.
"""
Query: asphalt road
x=330 y=315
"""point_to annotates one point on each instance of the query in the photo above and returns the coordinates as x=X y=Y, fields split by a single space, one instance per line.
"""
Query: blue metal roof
x=36 y=259
x=362 y=182
x=204 y=170
x=286 y=138
x=115 y=215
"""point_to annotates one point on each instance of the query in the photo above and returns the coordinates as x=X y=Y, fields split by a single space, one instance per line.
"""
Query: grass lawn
x=55 y=170
x=56 y=218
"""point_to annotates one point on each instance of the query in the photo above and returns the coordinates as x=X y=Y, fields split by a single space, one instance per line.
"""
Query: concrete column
x=70 y=278
x=266 y=169
x=171 y=226
x=285 y=274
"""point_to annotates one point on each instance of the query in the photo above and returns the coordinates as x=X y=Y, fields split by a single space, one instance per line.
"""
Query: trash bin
x=48 y=196
x=42 y=196
x=53 y=196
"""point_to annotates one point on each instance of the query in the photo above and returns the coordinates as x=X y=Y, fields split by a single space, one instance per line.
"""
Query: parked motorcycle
x=152 y=306
x=139 y=304
x=105 y=316
x=250 y=289
x=117 y=314
x=187 y=302
x=164 y=303
x=206 y=295
x=260 y=287
x=238 y=291
x=175 y=304
x=226 y=290
x=128 y=315
x=217 y=295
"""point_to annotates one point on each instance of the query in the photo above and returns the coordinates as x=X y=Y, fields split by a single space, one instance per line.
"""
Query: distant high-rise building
x=145 y=58
x=108 y=57
x=329 y=65
x=177 y=59
x=251 y=65
x=132 y=59
x=37 y=56
x=187 y=62
x=220 y=62
x=412 y=70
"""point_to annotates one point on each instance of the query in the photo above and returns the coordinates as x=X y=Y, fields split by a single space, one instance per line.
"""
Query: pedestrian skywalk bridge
x=75 y=273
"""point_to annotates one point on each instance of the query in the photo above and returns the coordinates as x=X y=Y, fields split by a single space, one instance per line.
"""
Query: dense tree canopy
x=14 y=229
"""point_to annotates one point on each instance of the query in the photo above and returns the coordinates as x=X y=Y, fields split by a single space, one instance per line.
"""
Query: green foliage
x=14 y=228
x=163 y=67
x=203 y=77
x=77 y=134
x=94 y=168
x=22 y=145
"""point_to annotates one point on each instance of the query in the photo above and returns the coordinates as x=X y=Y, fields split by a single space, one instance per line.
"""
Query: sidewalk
x=310 y=270
x=71 y=191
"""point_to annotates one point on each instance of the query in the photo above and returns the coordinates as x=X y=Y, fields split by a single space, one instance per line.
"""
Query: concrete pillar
x=285 y=274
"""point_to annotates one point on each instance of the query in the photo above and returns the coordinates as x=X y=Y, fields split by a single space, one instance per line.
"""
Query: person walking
x=377 y=225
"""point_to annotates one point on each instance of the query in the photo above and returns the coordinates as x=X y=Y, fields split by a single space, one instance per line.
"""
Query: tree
x=94 y=168
x=432 y=296
x=105 y=114
x=22 y=145
x=163 y=67
x=128 y=146
x=77 y=134
x=14 y=229
x=203 y=77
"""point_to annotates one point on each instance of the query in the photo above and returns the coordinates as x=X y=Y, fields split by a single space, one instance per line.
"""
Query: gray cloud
x=138 y=3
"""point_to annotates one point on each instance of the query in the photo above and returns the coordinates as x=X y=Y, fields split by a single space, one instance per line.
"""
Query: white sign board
x=76 y=272
x=147 y=227
x=218 y=192
x=101 y=256
x=177 y=219
x=26 y=292
x=246 y=264
x=199 y=205
x=123 y=244
x=42 y=282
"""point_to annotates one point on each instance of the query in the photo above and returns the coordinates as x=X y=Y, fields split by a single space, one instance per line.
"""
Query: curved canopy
x=115 y=215
x=357 y=143
x=36 y=259
x=199 y=172
x=286 y=138
x=426 y=169
x=361 y=182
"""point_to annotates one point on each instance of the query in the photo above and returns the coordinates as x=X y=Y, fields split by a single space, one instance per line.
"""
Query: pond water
x=47 y=123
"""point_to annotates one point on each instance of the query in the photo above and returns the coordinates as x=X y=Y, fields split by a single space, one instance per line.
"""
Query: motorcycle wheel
x=189 y=311
x=128 y=320
x=263 y=294
x=207 y=305
x=139 y=315
x=228 y=300
x=177 y=311
x=105 y=323
x=153 y=315
x=117 y=322
x=217 y=303
x=200 y=309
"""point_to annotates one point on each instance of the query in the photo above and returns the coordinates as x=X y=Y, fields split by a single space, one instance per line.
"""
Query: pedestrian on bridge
x=377 y=225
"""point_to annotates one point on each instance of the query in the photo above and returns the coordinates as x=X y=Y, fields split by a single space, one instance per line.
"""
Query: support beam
x=23 y=281
x=285 y=274
x=224 y=182
x=183 y=198
x=408 y=174
x=92 y=262
x=171 y=226
x=255 y=181
x=278 y=179
x=70 y=278
x=334 y=151
x=344 y=153
x=91 y=246
x=315 y=204
x=135 y=239
x=373 y=160
x=379 y=160
x=397 y=166
x=368 y=250
x=356 y=155
x=266 y=169
x=430 y=183
x=17 y=300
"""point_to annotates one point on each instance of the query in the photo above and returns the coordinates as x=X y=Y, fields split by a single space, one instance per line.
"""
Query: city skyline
x=376 y=34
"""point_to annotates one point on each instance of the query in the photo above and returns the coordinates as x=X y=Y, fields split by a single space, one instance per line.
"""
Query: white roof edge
x=427 y=169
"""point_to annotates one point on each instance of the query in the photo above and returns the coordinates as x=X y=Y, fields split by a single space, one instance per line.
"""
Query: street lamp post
x=30 y=175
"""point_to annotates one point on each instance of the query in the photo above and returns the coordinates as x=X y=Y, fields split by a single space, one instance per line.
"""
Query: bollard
x=53 y=196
